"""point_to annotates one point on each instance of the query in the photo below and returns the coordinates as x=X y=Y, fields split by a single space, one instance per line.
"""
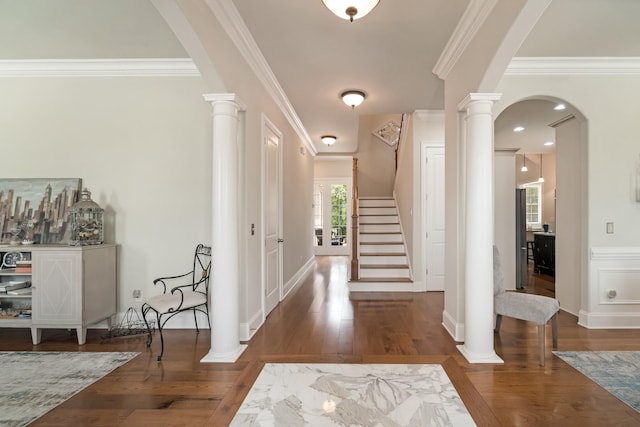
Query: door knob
x=280 y=240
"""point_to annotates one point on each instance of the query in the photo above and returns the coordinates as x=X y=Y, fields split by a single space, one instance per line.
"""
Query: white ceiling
x=389 y=54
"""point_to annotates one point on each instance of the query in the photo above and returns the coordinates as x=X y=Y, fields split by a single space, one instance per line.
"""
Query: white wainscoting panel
x=613 y=293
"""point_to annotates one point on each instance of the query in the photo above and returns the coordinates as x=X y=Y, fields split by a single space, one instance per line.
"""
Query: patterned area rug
x=345 y=395
x=618 y=372
x=33 y=383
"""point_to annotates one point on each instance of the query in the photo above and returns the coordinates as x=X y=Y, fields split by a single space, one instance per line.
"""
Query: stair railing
x=355 y=274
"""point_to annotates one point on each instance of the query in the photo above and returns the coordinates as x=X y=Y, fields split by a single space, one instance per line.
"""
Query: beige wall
x=333 y=167
x=403 y=189
x=143 y=148
x=205 y=40
x=376 y=160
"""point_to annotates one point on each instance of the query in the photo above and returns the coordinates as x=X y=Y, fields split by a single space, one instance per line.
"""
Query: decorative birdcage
x=87 y=220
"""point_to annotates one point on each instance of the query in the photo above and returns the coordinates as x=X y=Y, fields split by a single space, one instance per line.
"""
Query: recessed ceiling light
x=548 y=143
x=518 y=129
x=559 y=107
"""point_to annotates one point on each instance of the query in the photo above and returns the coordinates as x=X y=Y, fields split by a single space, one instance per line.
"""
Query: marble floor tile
x=292 y=394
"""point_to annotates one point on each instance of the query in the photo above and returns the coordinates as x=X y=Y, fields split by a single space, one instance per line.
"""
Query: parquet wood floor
x=320 y=323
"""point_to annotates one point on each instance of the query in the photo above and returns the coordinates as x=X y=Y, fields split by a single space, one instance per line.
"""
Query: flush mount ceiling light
x=353 y=98
x=518 y=129
x=350 y=9
x=548 y=143
x=328 y=139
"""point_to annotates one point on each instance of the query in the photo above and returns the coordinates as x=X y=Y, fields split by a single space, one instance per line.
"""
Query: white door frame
x=267 y=125
x=329 y=250
x=426 y=147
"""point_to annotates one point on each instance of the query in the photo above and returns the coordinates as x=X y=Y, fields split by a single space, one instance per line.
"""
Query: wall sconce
x=328 y=139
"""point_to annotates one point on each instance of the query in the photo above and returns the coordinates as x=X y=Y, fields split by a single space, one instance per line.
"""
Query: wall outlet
x=137 y=295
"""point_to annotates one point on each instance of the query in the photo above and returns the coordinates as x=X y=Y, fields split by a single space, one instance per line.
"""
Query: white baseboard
x=248 y=329
x=297 y=278
x=609 y=320
x=455 y=329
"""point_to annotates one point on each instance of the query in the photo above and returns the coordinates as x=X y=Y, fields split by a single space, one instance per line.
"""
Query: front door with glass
x=332 y=217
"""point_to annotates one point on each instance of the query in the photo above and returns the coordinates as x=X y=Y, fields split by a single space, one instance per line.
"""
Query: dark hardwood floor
x=320 y=322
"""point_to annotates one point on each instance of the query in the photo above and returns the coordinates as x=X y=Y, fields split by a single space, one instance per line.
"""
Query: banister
x=354 y=224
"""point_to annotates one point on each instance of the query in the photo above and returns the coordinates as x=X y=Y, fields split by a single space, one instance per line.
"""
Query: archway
x=560 y=199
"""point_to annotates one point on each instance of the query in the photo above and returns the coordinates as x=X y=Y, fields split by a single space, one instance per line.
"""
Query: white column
x=224 y=286
x=478 y=329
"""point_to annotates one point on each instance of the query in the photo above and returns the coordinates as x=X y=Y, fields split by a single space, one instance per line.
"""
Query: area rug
x=33 y=383
x=618 y=372
x=344 y=395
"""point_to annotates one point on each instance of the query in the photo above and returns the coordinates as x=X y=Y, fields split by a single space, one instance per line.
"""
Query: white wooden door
x=434 y=217
x=272 y=204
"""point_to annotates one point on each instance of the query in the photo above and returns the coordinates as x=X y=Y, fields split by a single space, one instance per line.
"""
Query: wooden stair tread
x=380 y=232
x=378 y=214
x=381 y=243
x=382 y=254
x=380 y=223
x=380 y=266
x=383 y=279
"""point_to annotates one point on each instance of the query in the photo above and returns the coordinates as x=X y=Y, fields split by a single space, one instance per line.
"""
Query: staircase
x=384 y=265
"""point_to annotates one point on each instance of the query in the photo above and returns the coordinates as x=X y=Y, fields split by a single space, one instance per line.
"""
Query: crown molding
x=166 y=67
x=429 y=115
x=472 y=19
x=233 y=24
x=590 y=66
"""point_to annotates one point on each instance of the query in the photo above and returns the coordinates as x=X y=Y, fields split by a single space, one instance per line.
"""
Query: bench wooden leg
x=554 y=330
x=541 y=343
x=498 y=322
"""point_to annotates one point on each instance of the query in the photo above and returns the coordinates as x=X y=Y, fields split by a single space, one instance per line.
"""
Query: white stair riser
x=380 y=228
x=384 y=260
x=381 y=248
x=390 y=273
x=378 y=218
x=376 y=202
x=377 y=211
x=380 y=237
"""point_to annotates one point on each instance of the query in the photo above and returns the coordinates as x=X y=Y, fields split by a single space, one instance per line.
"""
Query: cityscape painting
x=37 y=210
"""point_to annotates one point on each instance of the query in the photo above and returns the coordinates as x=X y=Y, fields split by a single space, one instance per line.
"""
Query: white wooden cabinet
x=72 y=287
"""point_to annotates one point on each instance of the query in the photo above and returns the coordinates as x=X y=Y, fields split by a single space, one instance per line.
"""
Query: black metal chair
x=188 y=291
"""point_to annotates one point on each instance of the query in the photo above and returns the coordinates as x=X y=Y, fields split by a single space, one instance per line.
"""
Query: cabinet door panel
x=57 y=293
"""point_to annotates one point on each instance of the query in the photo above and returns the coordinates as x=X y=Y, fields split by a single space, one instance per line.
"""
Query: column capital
x=475 y=97
x=233 y=98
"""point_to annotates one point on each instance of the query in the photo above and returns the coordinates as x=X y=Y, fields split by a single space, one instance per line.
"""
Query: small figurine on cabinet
x=86 y=221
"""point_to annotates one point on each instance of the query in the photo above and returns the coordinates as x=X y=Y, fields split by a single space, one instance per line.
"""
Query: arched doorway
x=548 y=163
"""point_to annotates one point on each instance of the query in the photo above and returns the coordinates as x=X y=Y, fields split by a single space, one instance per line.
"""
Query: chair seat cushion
x=170 y=302
x=534 y=308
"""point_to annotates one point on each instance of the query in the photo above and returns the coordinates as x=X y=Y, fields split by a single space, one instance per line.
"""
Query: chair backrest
x=498 y=277
x=202 y=265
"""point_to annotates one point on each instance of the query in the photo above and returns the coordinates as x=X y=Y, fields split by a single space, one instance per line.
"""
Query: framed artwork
x=37 y=210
